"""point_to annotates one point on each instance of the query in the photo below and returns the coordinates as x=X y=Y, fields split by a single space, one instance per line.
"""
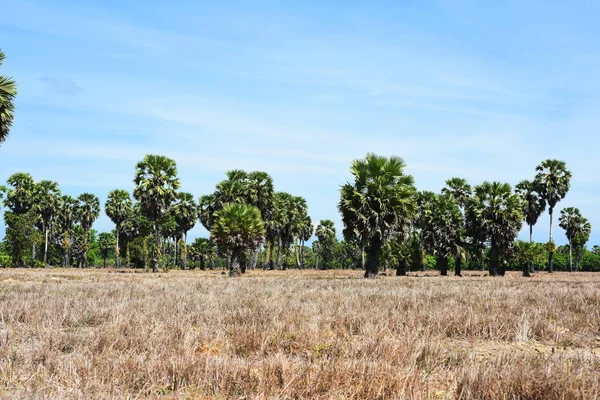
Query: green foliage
x=325 y=234
x=21 y=236
x=8 y=92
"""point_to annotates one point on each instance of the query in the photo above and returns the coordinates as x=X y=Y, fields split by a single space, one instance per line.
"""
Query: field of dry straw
x=288 y=334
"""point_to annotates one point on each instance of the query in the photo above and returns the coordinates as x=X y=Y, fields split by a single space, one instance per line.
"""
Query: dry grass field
x=270 y=335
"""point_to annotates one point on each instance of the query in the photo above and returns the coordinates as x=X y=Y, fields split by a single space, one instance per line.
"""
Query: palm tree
x=185 y=211
x=325 y=234
x=118 y=208
x=533 y=206
x=461 y=191
x=47 y=196
x=379 y=202
x=202 y=250
x=443 y=229
x=580 y=239
x=571 y=221
x=65 y=217
x=495 y=213
x=298 y=222
x=106 y=242
x=87 y=211
x=237 y=228
x=19 y=198
x=306 y=232
x=595 y=248
x=552 y=182
x=156 y=188
x=8 y=92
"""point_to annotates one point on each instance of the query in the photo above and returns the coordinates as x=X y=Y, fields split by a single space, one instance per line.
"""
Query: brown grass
x=289 y=334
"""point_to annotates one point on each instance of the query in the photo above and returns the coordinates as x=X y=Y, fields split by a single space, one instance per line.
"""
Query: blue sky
x=480 y=90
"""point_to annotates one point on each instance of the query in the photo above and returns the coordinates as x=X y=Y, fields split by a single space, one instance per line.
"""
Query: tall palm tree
x=379 y=202
x=497 y=214
x=118 y=208
x=306 y=232
x=461 y=191
x=87 y=211
x=185 y=211
x=65 y=219
x=443 y=229
x=47 y=197
x=237 y=228
x=298 y=221
x=325 y=234
x=552 y=182
x=8 y=92
x=156 y=188
x=571 y=221
x=533 y=206
x=106 y=242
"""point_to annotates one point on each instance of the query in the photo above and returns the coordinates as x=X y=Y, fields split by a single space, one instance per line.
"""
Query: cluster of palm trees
x=383 y=212
x=38 y=214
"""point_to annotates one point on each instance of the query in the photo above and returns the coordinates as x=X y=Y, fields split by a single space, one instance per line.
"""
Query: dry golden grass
x=289 y=334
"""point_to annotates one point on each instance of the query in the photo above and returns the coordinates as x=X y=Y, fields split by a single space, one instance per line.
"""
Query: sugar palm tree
x=202 y=250
x=65 y=218
x=185 y=211
x=20 y=194
x=8 y=92
x=118 y=208
x=87 y=211
x=571 y=221
x=580 y=239
x=156 y=188
x=47 y=196
x=379 y=202
x=497 y=213
x=325 y=233
x=552 y=182
x=237 y=228
x=443 y=230
x=106 y=242
x=533 y=206
x=461 y=191
x=306 y=232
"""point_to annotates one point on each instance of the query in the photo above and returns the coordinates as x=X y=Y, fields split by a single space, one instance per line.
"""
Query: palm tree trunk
x=570 y=256
x=46 y=245
x=155 y=251
x=577 y=257
x=374 y=250
x=551 y=254
x=85 y=249
x=443 y=264
x=458 y=264
x=184 y=255
x=302 y=254
x=493 y=259
x=401 y=268
x=117 y=250
x=33 y=255
x=297 y=251
x=362 y=256
x=105 y=256
x=279 y=253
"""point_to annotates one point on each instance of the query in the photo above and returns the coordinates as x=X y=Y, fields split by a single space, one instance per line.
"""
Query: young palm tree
x=571 y=221
x=156 y=188
x=106 y=242
x=8 y=92
x=87 y=211
x=185 y=211
x=443 y=229
x=118 y=208
x=325 y=234
x=237 y=228
x=533 y=206
x=552 y=182
x=496 y=213
x=47 y=196
x=202 y=250
x=379 y=202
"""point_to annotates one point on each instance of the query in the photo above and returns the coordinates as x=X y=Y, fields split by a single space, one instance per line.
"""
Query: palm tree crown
x=156 y=185
x=8 y=92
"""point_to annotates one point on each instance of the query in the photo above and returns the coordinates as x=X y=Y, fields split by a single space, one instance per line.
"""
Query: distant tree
x=118 y=208
x=580 y=240
x=185 y=211
x=20 y=194
x=87 y=211
x=571 y=221
x=379 y=202
x=460 y=190
x=237 y=229
x=65 y=218
x=325 y=234
x=552 y=182
x=8 y=92
x=47 y=196
x=106 y=242
x=496 y=213
x=202 y=250
x=595 y=248
x=156 y=188
x=20 y=235
x=534 y=204
x=443 y=228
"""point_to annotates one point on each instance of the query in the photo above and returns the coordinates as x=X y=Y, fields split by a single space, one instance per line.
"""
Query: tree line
x=387 y=222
